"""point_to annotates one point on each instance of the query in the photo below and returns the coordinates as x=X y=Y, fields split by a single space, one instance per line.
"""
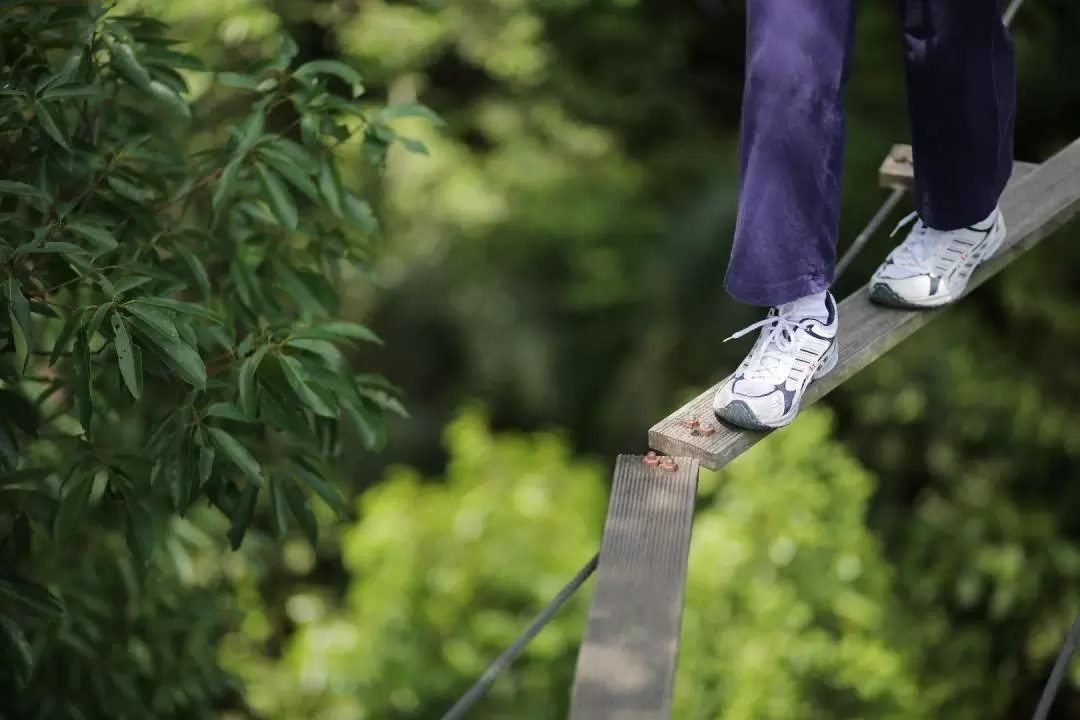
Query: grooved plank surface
x=1034 y=206
x=626 y=665
x=897 y=169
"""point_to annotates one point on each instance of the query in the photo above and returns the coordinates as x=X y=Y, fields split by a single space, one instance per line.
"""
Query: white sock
x=811 y=306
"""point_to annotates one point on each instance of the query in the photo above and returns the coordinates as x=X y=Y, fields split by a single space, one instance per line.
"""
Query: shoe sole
x=882 y=294
x=739 y=413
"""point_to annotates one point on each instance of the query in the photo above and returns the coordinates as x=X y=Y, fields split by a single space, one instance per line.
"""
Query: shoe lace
x=771 y=352
x=917 y=251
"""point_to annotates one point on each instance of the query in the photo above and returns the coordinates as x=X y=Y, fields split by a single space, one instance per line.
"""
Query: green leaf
x=130 y=190
x=302 y=512
x=72 y=92
x=73 y=506
x=130 y=283
x=227 y=411
x=367 y=425
x=247 y=382
x=237 y=454
x=185 y=308
x=278 y=507
x=179 y=356
x=99 y=236
x=241 y=518
x=236 y=80
x=278 y=196
x=84 y=404
x=198 y=272
x=19 y=316
x=206 y=463
x=298 y=290
x=97 y=318
x=293 y=372
x=322 y=348
x=10 y=187
x=290 y=171
x=337 y=330
x=52 y=248
x=52 y=122
x=123 y=59
x=125 y=354
x=332 y=67
x=252 y=129
x=330 y=187
x=21 y=655
x=324 y=491
x=169 y=97
x=31 y=598
x=154 y=319
x=413 y=145
x=224 y=187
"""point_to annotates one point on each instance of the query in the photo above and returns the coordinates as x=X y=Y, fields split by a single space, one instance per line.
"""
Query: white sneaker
x=791 y=352
x=932 y=267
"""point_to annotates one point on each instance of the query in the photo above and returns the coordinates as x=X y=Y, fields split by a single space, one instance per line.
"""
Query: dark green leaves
x=237 y=454
x=247 y=382
x=279 y=197
x=73 y=505
x=29 y=598
x=80 y=360
x=296 y=377
x=125 y=355
x=19 y=316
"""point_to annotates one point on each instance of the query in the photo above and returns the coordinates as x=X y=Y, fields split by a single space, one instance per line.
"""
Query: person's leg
x=961 y=84
x=798 y=56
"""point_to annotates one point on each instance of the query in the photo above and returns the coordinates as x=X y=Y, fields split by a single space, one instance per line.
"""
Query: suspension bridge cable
x=503 y=661
x=1058 y=673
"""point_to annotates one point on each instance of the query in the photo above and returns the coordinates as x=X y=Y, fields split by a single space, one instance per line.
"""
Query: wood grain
x=626 y=665
x=1037 y=202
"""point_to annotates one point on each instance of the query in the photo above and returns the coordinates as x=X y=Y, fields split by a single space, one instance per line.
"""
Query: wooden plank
x=1034 y=206
x=897 y=170
x=626 y=665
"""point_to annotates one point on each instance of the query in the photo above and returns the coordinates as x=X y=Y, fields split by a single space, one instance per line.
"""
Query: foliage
x=169 y=335
x=445 y=574
x=559 y=253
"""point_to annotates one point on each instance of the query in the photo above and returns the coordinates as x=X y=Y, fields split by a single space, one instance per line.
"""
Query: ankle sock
x=811 y=306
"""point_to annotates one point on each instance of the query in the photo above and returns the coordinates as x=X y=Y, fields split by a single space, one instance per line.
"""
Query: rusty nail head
x=707 y=429
x=652 y=459
x=690 y=423
x=668 y=463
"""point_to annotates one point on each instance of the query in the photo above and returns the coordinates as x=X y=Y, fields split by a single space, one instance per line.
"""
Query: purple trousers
x=961 y=90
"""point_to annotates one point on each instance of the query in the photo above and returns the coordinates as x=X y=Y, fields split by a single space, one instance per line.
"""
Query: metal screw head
x=690 y=423
x=706 y=429
x=668 y=463
x=652 y=459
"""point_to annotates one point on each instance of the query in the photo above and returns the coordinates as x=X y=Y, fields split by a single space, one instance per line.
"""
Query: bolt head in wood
x=652 y=459
x=690 y=423
x=706 y=429
x=668 y=463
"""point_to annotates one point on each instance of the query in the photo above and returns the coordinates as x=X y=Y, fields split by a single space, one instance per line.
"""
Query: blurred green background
x=549 y=284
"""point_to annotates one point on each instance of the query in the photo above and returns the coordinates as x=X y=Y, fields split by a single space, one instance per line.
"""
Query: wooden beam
x=626 y=665
x=898 y=171
x=1034 y=206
